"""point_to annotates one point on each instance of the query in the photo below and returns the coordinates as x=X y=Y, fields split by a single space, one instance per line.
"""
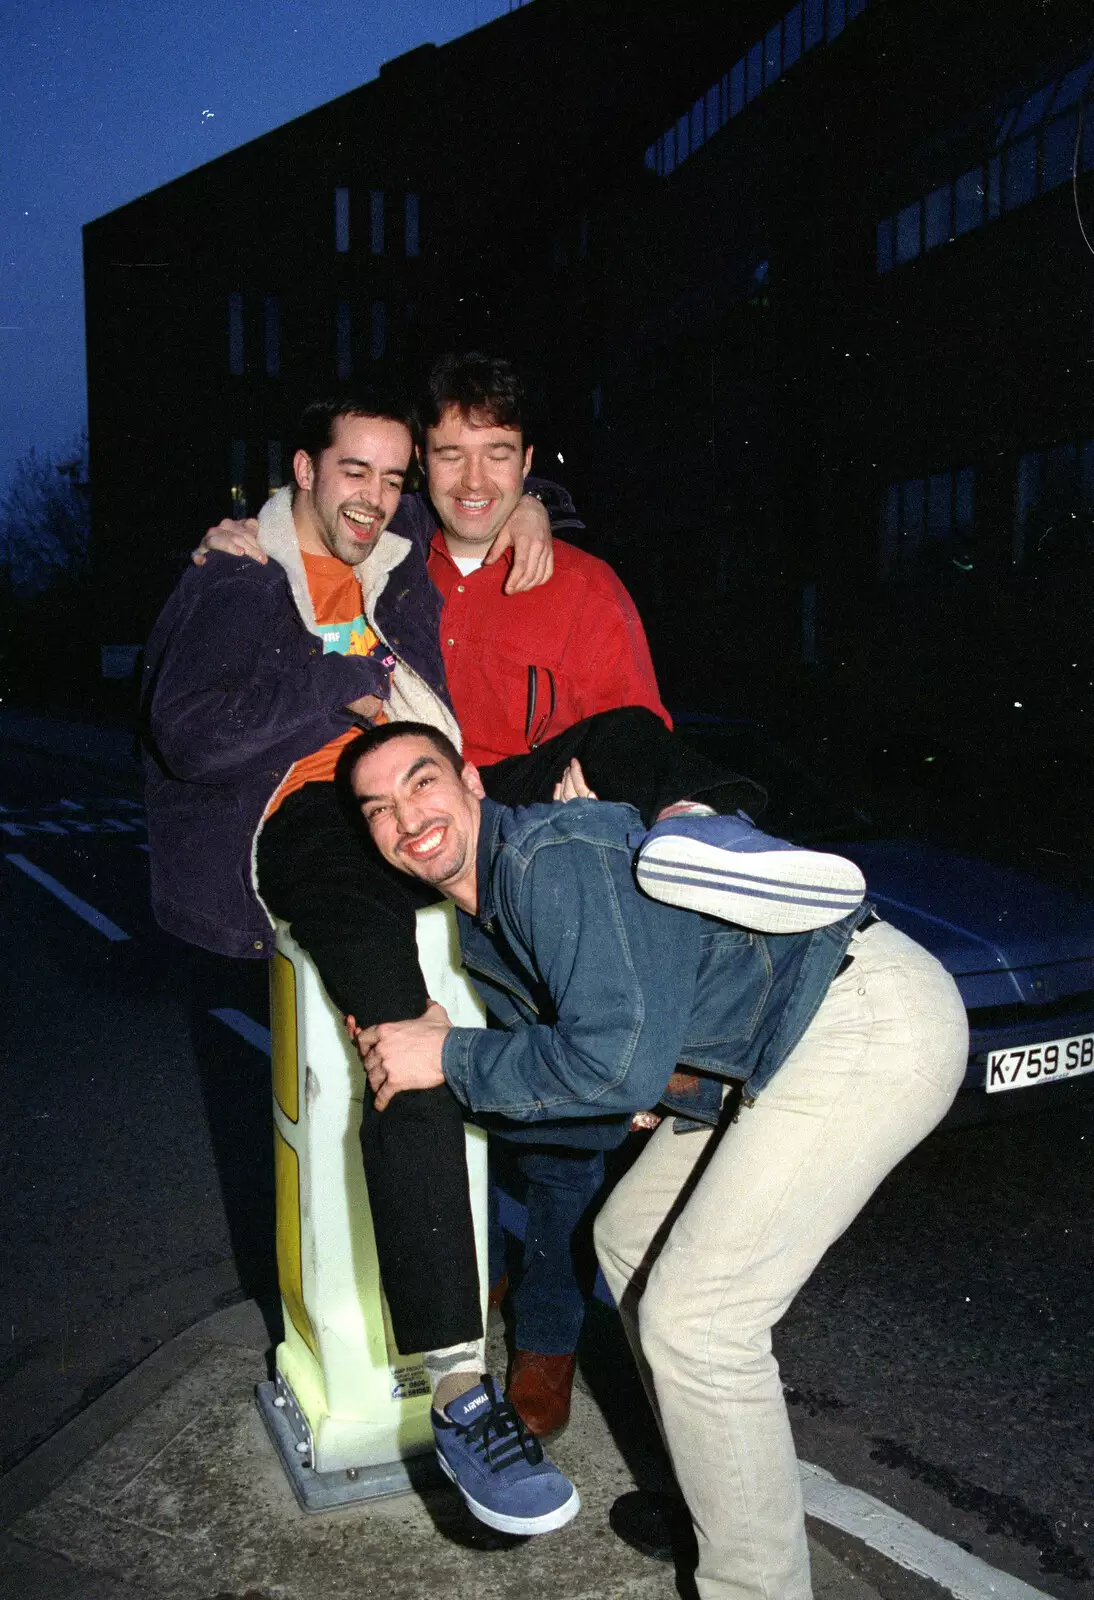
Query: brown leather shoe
x=539 y=1389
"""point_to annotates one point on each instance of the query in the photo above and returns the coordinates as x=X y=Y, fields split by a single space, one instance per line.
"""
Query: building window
x=737 y=88
x=271 y=323
x=341 y=220
x=235 y=335
x=597 y=399
x=968 y=194
x=890 y=533
x=812 y=23
x=1054 y=524
x=1029 y=157
x=885 y=245
x=939 y=505
x=343 y=340
x=378 y=331
x=754 y=71
x=274 y=480
x=1058 y=150
x=376 y=221
x=239 y=478
x=698 y=124
x=773 y=54
x=936 y=218
x=714 y=117
x=1073 y=86
x=1020 y=173
x=792 y=36
x=782 y=45
x=412 y=224
x=908 y=233
x=1031 y=112
x=927 y=522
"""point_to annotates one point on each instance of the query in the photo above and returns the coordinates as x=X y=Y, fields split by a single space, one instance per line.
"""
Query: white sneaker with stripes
x=726 y=867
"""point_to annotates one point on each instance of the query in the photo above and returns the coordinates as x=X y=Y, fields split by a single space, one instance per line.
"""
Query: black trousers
x=355 y=916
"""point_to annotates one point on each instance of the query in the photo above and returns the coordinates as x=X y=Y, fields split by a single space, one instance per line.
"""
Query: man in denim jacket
x=835 y=1051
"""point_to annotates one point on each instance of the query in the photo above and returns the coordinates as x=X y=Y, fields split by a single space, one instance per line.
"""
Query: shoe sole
x=545 y=1523
x=781 y=891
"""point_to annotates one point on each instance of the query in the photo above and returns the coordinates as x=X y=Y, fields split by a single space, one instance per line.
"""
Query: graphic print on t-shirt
x=336 y=596
x=354 y=638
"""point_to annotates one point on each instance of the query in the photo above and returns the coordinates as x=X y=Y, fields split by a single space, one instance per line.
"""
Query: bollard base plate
x=326 y=1491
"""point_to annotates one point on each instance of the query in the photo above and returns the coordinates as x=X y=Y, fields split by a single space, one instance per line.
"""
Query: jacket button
x=459 y=588
x=258 y=944
x=450 y=641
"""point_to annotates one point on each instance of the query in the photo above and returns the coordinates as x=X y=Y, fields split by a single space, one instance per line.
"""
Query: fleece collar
x=277 y=537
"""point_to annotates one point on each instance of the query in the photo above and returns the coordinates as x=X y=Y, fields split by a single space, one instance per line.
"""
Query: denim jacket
x=601 y=991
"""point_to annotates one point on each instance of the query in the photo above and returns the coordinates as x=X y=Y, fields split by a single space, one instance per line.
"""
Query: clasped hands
x=402 y=1055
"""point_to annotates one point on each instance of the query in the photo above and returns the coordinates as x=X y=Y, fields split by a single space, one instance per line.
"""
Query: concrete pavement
x=166 y=1488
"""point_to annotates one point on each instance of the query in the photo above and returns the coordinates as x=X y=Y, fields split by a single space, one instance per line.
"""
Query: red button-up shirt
x=523 y=667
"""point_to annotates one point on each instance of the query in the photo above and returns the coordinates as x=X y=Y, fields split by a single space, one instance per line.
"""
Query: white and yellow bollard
x=347 y=1411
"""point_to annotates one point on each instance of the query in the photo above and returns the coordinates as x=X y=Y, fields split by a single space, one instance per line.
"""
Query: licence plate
x=1053 y=1062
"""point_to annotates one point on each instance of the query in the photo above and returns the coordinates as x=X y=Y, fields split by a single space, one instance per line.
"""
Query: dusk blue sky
x=103 y=100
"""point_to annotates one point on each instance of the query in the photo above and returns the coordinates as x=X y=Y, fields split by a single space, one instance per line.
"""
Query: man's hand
x=528 y=530
x=368 y=706
x=572 y=785
x=234 y=538
x=402 y=1055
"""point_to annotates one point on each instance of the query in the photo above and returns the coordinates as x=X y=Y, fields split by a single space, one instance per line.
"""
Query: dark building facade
x=803 y=292
x=428 y=207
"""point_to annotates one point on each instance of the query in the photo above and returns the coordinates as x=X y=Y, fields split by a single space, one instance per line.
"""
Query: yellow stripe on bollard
x=290 y=1260
x=286 y=1079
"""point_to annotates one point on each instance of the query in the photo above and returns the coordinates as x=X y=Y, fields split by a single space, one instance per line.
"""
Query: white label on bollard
x=409 y=1382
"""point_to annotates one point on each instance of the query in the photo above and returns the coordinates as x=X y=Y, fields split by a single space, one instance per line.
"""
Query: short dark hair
x=486 y=388
x=315 y=430
x=371 y=740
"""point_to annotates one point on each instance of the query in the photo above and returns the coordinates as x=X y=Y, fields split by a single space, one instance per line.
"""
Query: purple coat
x=236 y=688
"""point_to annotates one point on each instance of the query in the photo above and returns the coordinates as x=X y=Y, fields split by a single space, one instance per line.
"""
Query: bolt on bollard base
x=348 y=1412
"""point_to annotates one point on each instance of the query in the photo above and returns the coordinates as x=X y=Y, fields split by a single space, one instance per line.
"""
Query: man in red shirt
x=520 y=667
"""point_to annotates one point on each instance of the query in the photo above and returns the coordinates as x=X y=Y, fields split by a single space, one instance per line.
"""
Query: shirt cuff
x=456 y=1061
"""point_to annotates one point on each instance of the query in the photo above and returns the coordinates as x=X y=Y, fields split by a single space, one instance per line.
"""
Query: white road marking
x=101 y=924
x=245 y=1026
x=905 y=1542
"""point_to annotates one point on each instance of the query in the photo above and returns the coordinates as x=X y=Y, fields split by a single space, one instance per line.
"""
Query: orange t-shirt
x=336 y=596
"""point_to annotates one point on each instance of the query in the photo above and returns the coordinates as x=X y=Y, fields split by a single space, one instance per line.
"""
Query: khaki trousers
x=709 y=1237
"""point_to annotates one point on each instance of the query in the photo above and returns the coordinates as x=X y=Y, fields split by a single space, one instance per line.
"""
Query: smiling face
x=347 y=495
x=422 y=814
x=475 y=477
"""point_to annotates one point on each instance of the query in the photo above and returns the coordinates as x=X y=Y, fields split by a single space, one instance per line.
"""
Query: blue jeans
x=558 y=1267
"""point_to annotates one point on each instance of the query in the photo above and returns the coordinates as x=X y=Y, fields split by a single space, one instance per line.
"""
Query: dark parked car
x=1021 y=949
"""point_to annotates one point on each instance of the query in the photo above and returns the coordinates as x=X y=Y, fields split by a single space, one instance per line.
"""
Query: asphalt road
x=942 y=1358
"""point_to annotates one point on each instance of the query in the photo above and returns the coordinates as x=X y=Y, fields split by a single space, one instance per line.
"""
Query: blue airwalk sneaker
x=725 y=867
x=499 y=1467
